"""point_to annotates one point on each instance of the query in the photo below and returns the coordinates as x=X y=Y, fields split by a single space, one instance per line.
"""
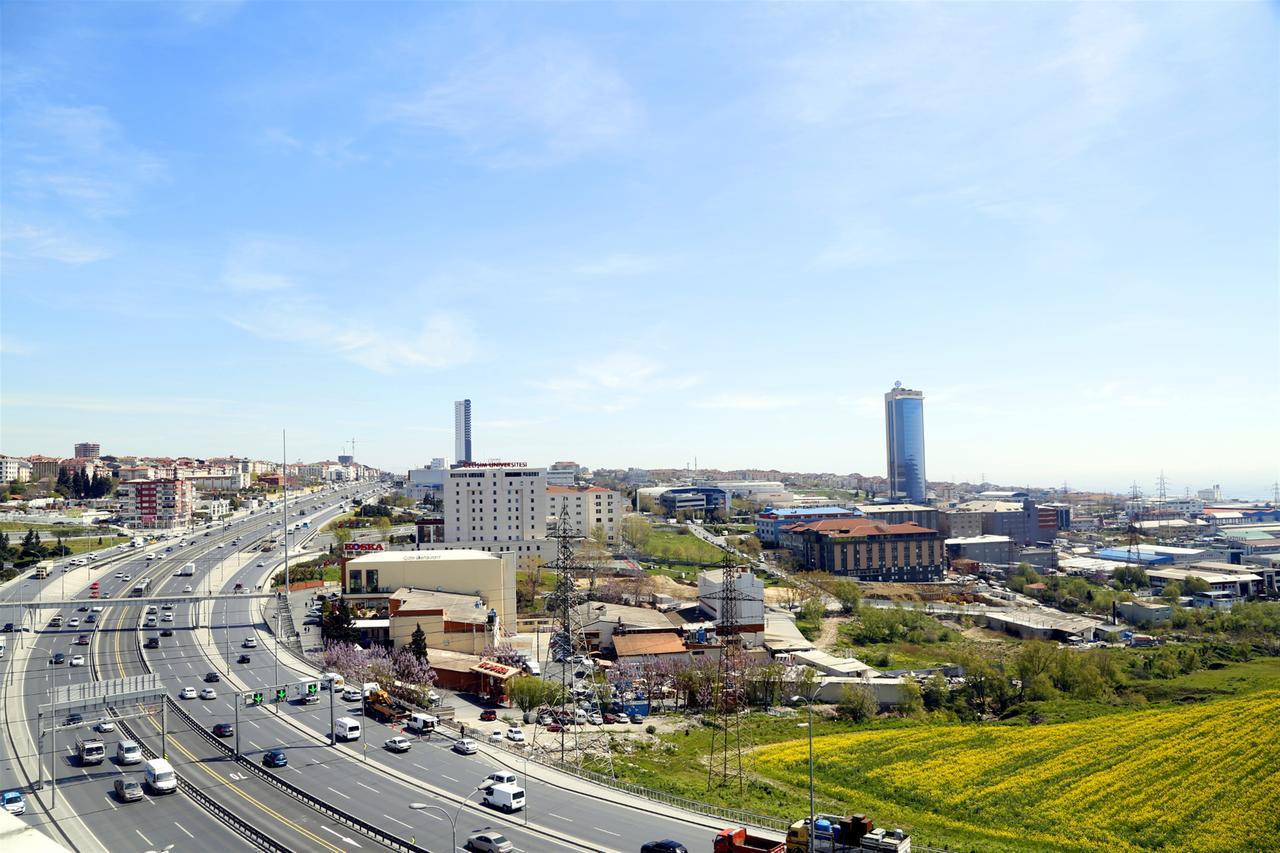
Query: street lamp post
x=454 y=818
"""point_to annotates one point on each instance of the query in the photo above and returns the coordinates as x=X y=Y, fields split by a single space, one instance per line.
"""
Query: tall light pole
x=454 y=818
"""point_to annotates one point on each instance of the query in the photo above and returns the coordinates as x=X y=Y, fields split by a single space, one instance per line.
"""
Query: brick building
x=868 y=550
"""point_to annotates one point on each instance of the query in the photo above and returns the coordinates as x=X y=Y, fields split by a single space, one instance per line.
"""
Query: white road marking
x=143 y=837
x=561 y=817
x=339 y=793
x=183 y=828
x=367 y=788
x=425 y=813
x=402 y=823
x=419 y=766
x=110 y=803
x=606 y=832
x=254 y=745
x=450 y=778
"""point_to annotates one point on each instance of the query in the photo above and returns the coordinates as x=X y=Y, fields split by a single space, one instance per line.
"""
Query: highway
x=374 y=785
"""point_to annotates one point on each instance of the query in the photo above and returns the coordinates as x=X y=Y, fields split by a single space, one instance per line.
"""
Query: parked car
x=127 y=790
x=595 y=718
x=488 y=715
x=495 y=736
x=554 y=727
x=489 y=841
x=515 y=734
x=224 y=729
x=465 y=746
x=638 y=719
x=275 y=758
x=397 y=744
x=613 y=718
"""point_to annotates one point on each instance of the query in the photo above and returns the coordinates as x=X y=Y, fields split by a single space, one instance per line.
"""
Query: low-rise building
x=1144 y=612
x=369 y=581
x=213 y=508
x=1214 y=599
x=982 y=549
x=449 y=620
x=900 y=513
x=1239 y=583
x=563 y=473
x=703 y=501
x=227 y=481
x=868 y=550
x=1022 y=521
x=14 y=470
x=770 y=522
x=660 y=645
x=745 y=595
x=43 y=467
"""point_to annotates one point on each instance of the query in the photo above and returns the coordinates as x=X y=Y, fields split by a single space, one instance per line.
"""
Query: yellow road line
x=198 y=763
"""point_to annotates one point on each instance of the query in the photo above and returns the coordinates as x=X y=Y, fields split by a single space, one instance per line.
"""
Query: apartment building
x=88 y=450
x=495 y=502
x=13 y=469
x=588 y=507
x=43 y=467
x=228 y=481
x=868 y=550
x=152 y=504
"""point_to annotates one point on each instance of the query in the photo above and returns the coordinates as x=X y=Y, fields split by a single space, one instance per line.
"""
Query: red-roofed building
x=589 y=507
x=868 y=550
x=43 y=467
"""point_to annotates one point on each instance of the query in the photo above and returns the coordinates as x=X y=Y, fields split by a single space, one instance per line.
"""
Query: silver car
x=489 y=841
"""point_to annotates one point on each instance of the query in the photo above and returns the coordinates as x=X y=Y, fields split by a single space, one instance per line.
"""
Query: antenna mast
x=729 y=694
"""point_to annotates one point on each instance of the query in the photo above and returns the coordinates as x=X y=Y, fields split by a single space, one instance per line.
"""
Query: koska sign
x=357 y=547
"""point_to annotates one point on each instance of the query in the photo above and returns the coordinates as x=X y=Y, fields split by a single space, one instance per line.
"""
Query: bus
x=140 y=589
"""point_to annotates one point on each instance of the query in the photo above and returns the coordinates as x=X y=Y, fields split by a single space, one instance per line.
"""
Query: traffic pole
x=239 y=701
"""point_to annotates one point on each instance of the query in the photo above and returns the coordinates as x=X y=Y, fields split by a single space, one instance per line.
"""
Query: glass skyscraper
x=904 y=441
x=462 y=431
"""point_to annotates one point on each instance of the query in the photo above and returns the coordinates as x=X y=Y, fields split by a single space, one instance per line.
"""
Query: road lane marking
x=143 y=837
x=112 y=804
x=561 y=817
x=606 y=832
x=397 y=820
x=419 y=766
x=183 y=828
x=366 y=787
x=450 y=778
x=339 y=793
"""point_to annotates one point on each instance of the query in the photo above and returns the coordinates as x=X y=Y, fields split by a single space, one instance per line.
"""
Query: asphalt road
x=361 y=786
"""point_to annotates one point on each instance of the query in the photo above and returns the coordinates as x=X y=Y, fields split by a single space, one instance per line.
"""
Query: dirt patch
x=983 y=635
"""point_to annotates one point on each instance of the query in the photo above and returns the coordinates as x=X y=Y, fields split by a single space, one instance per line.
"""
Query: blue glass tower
x=904 y=440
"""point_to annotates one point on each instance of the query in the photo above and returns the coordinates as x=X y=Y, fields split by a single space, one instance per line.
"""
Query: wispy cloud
x=748 y=402
x=258 y=264
x=617 y=381
x=528 y=104
x=132 y=405
x=25 y=240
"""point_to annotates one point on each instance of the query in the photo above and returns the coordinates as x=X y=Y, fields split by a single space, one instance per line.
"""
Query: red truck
x=740 y=841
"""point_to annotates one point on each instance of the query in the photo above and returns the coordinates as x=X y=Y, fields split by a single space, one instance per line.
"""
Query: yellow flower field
x=1204 y=777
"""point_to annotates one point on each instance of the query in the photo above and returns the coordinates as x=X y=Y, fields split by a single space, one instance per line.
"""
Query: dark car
x=212 y=678
x=91 y=618
x=637 y=718
x=74 y=718
x=224 y=730
x=152 y=643
x=488 y=715
x=167 y=632
x=275 y=758
x=84 y=608
x=8 y=626
x=242 y=659
x=664 y=846
x=82 y=640
x=59 y=657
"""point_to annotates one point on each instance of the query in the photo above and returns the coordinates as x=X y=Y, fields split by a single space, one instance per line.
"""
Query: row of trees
x=81 y=486
x=31 y=549
x=405 y=673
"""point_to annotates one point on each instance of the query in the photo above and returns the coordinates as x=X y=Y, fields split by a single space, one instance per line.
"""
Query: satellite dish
x=897 y=384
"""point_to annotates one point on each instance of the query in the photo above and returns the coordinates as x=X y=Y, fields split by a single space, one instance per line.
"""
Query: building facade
x=88 y=450
x=462 y=431
x=705 y=501
x=495 y=502
x=155 y=504
x=869 y=550
x=904 y=441
x=43 y=467
x=587 y=508
x=770 y=522
x=925 y=516
x=1022 y=521
x=14 y=470
x=563 y=474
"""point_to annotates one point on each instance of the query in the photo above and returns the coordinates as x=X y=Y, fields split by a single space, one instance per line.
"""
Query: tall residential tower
x=462 y=431
x=904 y=441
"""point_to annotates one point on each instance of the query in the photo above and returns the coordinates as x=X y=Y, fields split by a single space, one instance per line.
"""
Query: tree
x=857 y=703
x=504 y=653
x=1130 y=577
x=848 y=594
x=384 y=527
x=31 y=542
x=1035 y=659
x=527 y=692
x=414 y=674
x=1172 y=591
x=1193 y=584
x=912 y=702
x=418 y=643
x=935 y=692
x=341 y=535
x=335 y=624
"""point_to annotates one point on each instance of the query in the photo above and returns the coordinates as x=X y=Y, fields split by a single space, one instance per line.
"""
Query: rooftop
x=856 y=527
x=573 y=490
x=985 y=539
x=442 y=556
x=625 y=614
x=629 y=645
x=870 y=509
x=784 y=512
x=455 y=606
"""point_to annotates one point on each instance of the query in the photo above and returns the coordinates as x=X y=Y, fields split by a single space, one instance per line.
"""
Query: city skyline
x=401 y=219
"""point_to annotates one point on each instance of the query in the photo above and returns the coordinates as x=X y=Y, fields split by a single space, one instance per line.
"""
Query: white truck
x=308 y=691
x=187 y=571
x=90 y=750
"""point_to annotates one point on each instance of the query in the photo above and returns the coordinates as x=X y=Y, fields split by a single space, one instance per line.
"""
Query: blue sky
x=638 y=233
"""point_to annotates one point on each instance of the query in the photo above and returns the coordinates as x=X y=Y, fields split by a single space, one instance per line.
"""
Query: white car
x=97 y=608
x=352 y=694
x=515 y=735
x=168 y=617
x=250 y=642
x=119 y=576
x=208 y=693
x=73 y=623
x=466 y=746
x=187 y=693
x=595 y=719
x=495 y=736
x=127 y=577
x=105 y=726
x=187 y=588
x=77 y=660
x=261 y=565
x=397 y=744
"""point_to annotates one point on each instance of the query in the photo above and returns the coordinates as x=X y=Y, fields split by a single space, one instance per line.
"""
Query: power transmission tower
x=572 y=609
x=729 y=692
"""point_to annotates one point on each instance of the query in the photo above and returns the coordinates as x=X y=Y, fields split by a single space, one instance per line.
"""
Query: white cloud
x=529 y=104
x=617 y=381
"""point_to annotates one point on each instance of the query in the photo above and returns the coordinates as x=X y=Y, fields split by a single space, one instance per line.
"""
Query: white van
x=508 y=796
x=333 y=678
x=128 y=752
x=346 y=728
x=160 y=776
x=532 y=667
x=421 y=723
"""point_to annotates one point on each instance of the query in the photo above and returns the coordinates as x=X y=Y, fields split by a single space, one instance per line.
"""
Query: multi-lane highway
x=361 y=778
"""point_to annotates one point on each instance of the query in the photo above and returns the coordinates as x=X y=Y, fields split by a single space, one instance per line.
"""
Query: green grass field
x=1200 y=771
x=82 y=546
x=63 y=529
x=665 y=543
